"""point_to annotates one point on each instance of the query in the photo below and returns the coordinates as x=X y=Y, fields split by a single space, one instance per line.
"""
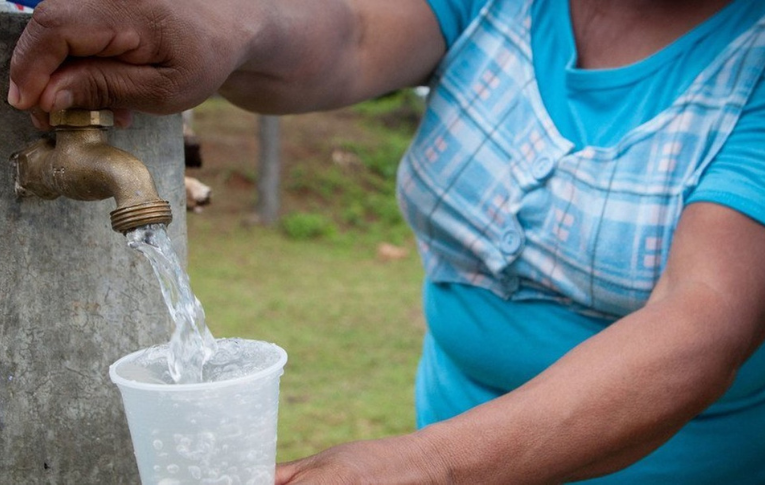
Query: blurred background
x=333 y=277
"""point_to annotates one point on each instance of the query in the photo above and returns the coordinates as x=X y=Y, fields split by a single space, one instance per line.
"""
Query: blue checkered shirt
x=499 y=199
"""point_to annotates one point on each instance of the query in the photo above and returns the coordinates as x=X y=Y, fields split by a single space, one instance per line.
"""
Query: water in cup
x=199 y=410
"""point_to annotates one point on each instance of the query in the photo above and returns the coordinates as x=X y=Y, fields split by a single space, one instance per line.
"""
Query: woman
x=586 y=189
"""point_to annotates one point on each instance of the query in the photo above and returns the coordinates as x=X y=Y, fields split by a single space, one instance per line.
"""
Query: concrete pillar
x=73 y=298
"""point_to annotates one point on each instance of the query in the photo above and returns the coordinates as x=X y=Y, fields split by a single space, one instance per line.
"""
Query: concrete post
x=73 y=298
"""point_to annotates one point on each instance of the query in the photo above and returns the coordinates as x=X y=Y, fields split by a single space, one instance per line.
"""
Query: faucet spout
x=81 y=165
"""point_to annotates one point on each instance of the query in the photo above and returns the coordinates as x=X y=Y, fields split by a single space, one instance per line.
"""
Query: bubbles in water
x=169 y=481
x=224 y=480
x=238 y=358
x=233 y=359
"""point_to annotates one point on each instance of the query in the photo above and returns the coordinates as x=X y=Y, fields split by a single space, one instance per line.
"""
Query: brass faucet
x=81 y=165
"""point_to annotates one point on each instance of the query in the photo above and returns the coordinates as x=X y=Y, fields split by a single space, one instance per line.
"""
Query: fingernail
x=36 y=122
x=13 y=95
x=123 y=119
x=63 y=100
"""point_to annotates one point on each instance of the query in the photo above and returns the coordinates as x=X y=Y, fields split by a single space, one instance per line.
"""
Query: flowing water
x=220 y=429
x=192 y=344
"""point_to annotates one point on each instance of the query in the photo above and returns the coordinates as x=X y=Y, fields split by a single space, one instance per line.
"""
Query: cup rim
x=122 y=382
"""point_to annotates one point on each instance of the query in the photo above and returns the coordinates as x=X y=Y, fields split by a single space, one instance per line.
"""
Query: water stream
x=191 y=344
x=220 y=431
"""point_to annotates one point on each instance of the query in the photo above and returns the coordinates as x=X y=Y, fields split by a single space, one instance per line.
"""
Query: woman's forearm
x=330 y=53
x=292 y=63
x=603 y=406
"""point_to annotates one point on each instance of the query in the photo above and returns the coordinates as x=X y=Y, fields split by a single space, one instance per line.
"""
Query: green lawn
x=350 y=322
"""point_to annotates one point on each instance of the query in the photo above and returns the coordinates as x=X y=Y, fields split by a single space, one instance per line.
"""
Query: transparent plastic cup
x=220 y=432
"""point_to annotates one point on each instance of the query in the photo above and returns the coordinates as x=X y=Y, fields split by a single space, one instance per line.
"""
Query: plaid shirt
x=499 y=199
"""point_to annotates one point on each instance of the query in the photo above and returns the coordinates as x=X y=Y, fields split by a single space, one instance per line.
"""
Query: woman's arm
x=164 y=56
x=334 y=53
x=614 y=398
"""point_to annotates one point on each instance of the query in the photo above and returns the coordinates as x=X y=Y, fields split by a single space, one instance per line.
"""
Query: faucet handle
x=81 y=118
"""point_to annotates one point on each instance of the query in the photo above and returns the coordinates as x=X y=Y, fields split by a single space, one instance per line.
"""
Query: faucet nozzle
x=81 y=165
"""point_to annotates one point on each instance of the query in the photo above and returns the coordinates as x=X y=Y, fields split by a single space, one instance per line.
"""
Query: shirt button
x=542 y=168
x=512 y=241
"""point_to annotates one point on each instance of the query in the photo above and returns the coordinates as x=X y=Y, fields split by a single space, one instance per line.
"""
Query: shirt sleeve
x=455 y=15
x=736 y=177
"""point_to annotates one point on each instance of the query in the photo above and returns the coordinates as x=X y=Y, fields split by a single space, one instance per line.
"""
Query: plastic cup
x=221 y=432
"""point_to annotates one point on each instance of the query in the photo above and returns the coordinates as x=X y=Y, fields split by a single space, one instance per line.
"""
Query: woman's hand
x=401 y=460
x=156 y=56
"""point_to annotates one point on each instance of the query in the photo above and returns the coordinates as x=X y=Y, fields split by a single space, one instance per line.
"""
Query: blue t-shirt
x=584 y=103
x=480 y=346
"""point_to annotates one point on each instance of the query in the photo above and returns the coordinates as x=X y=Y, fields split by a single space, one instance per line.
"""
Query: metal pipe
x=81 y=165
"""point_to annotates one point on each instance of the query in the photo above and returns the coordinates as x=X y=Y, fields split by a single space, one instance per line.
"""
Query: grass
x=350 y=322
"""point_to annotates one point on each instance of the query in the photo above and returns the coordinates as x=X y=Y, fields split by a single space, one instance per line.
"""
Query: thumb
x=285 y=473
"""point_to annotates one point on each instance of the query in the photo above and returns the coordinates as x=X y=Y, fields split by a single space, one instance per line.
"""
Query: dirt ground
x=229 y=150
